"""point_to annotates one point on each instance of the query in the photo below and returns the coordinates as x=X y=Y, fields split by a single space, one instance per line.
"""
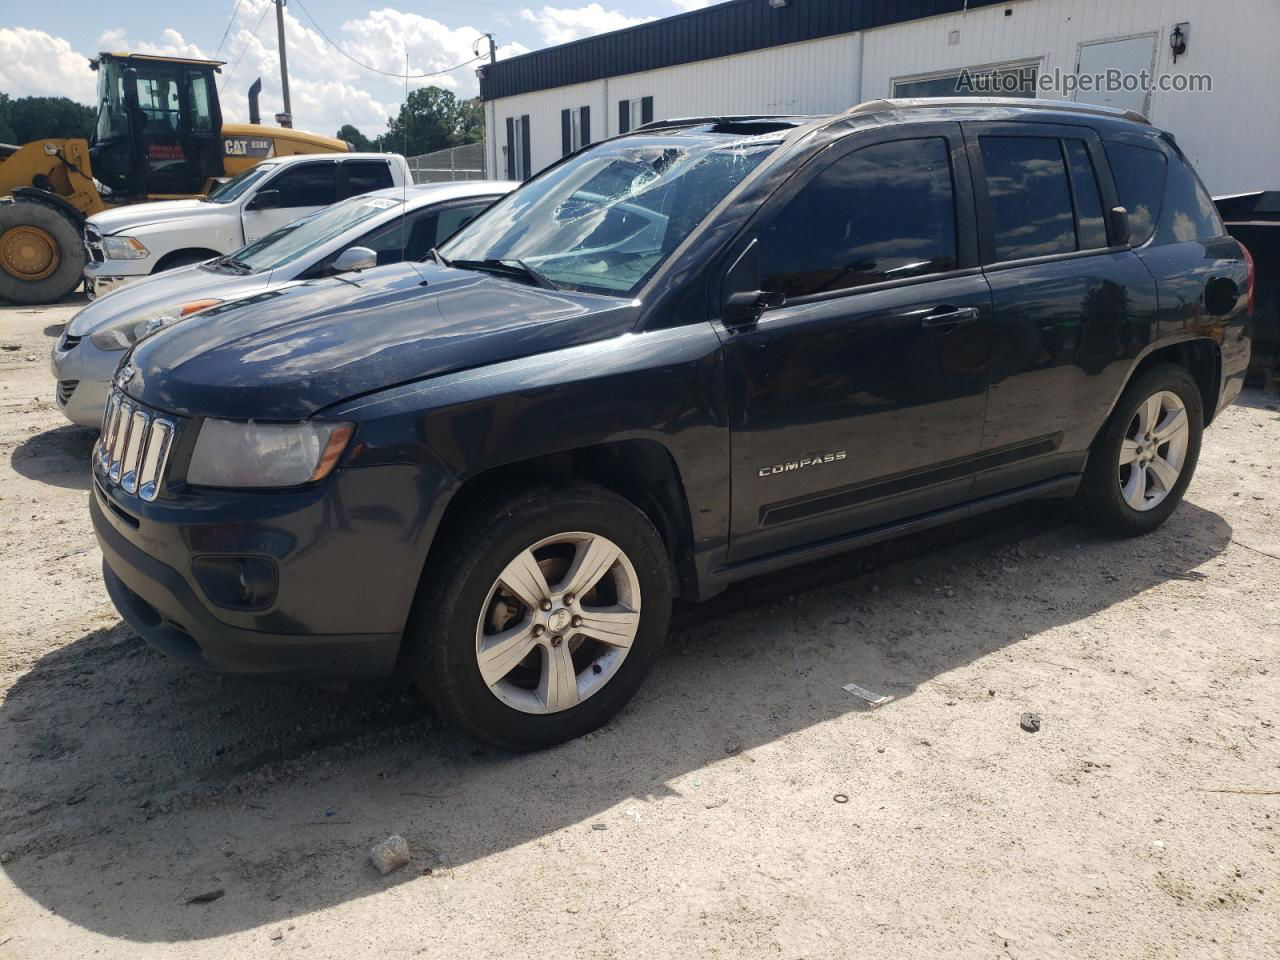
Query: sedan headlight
x=123 y=334
x=123 y=248
x=230 y=453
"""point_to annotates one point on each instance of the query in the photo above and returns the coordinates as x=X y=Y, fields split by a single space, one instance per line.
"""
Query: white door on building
x=1129 y=57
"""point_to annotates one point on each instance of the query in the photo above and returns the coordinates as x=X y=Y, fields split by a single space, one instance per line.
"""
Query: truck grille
x=133 y=447
x=65 y=389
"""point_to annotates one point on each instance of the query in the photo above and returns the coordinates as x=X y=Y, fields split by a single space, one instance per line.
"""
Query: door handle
x=949 y=318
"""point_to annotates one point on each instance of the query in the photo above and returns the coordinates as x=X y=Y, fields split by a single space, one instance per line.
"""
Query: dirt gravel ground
x=1140 y=821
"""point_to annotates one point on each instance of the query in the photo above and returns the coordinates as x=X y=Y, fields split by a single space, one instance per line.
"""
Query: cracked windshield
x=603 y=221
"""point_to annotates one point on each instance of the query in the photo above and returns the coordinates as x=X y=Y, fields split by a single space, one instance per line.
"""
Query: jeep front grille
x=133 y=447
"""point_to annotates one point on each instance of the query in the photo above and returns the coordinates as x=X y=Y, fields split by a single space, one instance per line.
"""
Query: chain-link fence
x=453 y=163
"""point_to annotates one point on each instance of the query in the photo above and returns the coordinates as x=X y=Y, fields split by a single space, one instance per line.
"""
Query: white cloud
x=562 y=24
x=33 y=63
x=326 y=89
x=687 y=5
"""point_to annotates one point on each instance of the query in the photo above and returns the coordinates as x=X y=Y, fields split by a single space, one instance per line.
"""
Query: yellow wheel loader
x=159 y=136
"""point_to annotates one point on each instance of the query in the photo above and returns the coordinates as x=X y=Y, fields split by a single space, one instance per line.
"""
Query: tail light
x=1252 y=278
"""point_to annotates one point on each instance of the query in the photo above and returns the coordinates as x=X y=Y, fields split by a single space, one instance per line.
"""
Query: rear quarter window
x=1140 y=175
x=1165 y=199
x=1188 y=212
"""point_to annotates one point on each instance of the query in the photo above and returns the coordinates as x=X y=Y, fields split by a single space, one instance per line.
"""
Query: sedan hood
x=144 y=214
x=284 y=354
x=162 y=292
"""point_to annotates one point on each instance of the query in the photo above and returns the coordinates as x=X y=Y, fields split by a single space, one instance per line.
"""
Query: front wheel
x=539 y=620
x=1144 y=458
x=41 y=254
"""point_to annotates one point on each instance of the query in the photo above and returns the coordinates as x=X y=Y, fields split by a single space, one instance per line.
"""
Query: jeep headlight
x=123 y=248
x=123 y=334
x=230 y=453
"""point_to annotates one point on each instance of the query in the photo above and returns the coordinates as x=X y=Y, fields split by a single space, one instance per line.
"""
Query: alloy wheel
x=558 y=622
x=1154 y=451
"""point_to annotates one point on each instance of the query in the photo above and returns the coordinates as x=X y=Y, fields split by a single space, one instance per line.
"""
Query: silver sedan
x=392 y=224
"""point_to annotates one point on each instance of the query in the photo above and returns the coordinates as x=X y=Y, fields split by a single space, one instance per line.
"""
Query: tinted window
x=307 y=185
x=1139 y=174
x=454 y=219
x=879 y=213
x=201 y=111
x=1188 y=213
x=1091 y=229
x=1030 y=199
x=364 y=176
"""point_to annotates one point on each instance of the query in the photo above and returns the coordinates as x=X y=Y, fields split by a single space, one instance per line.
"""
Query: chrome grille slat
x=134 y=446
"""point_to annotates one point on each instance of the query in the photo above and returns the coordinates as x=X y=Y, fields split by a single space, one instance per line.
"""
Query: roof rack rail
x=727 y=118
x=1033 y=103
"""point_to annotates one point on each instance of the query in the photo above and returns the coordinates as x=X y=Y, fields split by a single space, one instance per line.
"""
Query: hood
x=140 y=215
x=286 y=353
x=163 y=291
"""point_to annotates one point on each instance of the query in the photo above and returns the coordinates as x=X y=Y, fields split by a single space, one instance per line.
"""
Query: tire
x=467 y=580
x=16 y=283
x=1110 y=489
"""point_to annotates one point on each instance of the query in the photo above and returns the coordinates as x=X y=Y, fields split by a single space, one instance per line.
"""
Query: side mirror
x=265 y=200
x=747 y=305
x=1120 y=231
x=355 y=259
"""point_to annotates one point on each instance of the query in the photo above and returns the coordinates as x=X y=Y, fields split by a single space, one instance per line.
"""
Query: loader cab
x=159 y=125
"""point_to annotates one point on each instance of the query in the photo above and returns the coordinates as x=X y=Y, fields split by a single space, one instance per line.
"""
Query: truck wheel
x=542 y=618
x=1145 y=456
x=41 y=253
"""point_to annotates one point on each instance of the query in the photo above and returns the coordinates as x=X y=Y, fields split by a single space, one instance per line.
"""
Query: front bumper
x=99 y=286
x=332 y=587
x=83 y=373
x=102 y=276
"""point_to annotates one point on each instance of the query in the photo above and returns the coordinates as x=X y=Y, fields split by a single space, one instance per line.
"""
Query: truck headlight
x=123 y=334
x=123 y=248
x=231 y=453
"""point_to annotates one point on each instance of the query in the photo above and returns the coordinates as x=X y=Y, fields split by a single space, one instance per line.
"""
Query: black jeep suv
x=692 y=354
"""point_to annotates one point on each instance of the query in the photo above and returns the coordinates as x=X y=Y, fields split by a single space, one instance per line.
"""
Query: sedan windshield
x=293 y=240
x=237 y=185
x=605 y=220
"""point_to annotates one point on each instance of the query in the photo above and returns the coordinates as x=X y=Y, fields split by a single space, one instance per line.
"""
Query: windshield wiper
x=439 y=257
x=508 y=267
x=239 y=266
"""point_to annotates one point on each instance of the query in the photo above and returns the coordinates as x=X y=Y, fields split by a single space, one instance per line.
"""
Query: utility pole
x=493 y=54
x=284 y=119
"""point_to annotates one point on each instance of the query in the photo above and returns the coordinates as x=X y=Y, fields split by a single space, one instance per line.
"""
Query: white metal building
x=823 y=56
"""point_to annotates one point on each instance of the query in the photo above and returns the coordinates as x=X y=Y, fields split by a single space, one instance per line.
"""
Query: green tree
x=354 y=137
x=471 y=121
x=34 y=118
x=431 y=119
x=6 y=120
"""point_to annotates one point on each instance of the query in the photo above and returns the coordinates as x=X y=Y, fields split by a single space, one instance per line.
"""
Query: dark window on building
x=1030 y=199
x=307 y=185
x=575 y=129
x=634 y=113
x=1010 y=81
x=1188 y=213
x=879 y=213
x=518 y=153
x=1139 y=174
x=1091 y=228
x=366 y=175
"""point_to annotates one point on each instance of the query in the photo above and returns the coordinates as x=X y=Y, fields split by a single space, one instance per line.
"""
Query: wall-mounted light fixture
x=1178 y=40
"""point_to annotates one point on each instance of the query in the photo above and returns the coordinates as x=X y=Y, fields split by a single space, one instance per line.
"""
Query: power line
x=245 y=48
x=398 y=76
x=226 y=32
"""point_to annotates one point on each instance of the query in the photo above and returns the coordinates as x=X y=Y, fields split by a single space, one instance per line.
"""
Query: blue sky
x=44 y=47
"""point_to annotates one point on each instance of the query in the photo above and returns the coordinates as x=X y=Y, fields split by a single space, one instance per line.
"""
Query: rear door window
x=1091 y=228
x=364 y=176
x=1030 y=197
x=1140 y=175
x=880 y=213
x=307 y=185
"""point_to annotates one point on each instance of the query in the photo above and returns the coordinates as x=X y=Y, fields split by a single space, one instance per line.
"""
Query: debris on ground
x=875 y=699
x=208 y=897
x=391 y=854
x=1030 y=722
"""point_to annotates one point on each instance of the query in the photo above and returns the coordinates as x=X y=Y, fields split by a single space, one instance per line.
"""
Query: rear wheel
x=41 y=253
x=1144 y=458
x=543 y=617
